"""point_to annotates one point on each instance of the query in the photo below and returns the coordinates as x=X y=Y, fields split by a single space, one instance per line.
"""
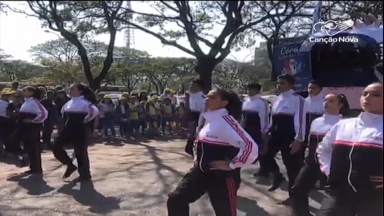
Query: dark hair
x=87 y=92
x=287 y=77
x=255 y=86
x=36 y=93
x=315 y=82
x=234 y=105
x=343 y=100
x=199 y=82
x=50 y=92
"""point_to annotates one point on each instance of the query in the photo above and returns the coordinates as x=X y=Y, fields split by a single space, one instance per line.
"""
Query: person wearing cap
x=167 y=114
x=108 y=109
x=256 y=121
x=122 y=114
x=151 y=114
x=287 y=131
x=166 y=93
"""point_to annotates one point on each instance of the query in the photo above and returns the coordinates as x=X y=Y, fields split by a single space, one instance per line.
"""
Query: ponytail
x=87 y=93
x=36 y=93
x=234 y=103
x=345 y=109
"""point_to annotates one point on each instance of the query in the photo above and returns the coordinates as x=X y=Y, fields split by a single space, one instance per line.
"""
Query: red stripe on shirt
x=248 y=143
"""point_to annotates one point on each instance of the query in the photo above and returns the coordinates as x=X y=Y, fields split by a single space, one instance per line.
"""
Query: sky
x=18 y=33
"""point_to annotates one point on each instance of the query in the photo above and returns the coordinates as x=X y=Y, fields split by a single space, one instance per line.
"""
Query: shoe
x=277 y=181
x=30 y=172
x=22 y=161
x=82 y=179
x=69 y=171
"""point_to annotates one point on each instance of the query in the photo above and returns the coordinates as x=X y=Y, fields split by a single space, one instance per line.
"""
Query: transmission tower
x=129 y=35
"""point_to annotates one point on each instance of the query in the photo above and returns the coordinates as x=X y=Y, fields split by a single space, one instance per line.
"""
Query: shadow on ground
x=34 y=184
x=87 y=195
x=250 y=207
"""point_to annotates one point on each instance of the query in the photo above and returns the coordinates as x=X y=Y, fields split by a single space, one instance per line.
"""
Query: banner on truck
x=287 y=60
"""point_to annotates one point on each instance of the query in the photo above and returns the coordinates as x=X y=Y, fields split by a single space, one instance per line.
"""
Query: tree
x=347 y=10
x=194 y=20
x=130 y=67
x=160 y=70
x=80 y=20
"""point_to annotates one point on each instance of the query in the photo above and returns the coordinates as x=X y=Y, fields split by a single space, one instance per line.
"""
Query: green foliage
x=11 y=70
x=78 y=21
x=196 y=20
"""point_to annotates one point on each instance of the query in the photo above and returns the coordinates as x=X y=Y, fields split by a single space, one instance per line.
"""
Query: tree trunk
x=205 y=69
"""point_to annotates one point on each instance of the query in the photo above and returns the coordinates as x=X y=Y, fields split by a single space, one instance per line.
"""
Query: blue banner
x=287 y=60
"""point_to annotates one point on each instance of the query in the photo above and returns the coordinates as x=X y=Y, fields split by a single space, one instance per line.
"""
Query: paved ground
x=128 y=180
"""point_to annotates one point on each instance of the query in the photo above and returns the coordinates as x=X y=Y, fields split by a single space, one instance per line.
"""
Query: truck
x=344 y=63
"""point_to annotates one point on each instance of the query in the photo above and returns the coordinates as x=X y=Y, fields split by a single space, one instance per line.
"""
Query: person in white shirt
x=78 y=114
x=221 y=149
x=28 y=128
x=196 y=102
x=256 y=121
x=351 y=156
x=287 y=131
x=334 y=106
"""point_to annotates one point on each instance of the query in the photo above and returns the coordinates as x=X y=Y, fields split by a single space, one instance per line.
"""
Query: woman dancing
x=78 y=114
x=221 y=148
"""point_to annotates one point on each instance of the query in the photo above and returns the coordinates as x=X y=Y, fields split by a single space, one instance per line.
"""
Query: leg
x=61 y=155
x=32 y=145
x=337 y=206
x=271 y=165
x=293 y=164
x=47 y=133
x=81 y=153
x=304 y=182
x=112 y=127
x=223 y=195
x=191 y=187
x=121 y=129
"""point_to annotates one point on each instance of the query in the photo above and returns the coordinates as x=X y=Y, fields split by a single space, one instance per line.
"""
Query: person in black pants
x=351 y=155
x=52 y=119
x=287 y=133
x=196 y=105
x=28 y=127
x=222 y=147
x=310 y=172
x=256 y=121
x=78 y=114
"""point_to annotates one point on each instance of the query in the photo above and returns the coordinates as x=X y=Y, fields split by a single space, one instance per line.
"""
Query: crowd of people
x=226 y=133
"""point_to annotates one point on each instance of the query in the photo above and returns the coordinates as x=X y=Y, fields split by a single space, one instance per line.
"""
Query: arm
x=236 y=136
x=324 y=150
x=93 y=111
x=299 y=119
x=264 y=117
x=41 y=113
